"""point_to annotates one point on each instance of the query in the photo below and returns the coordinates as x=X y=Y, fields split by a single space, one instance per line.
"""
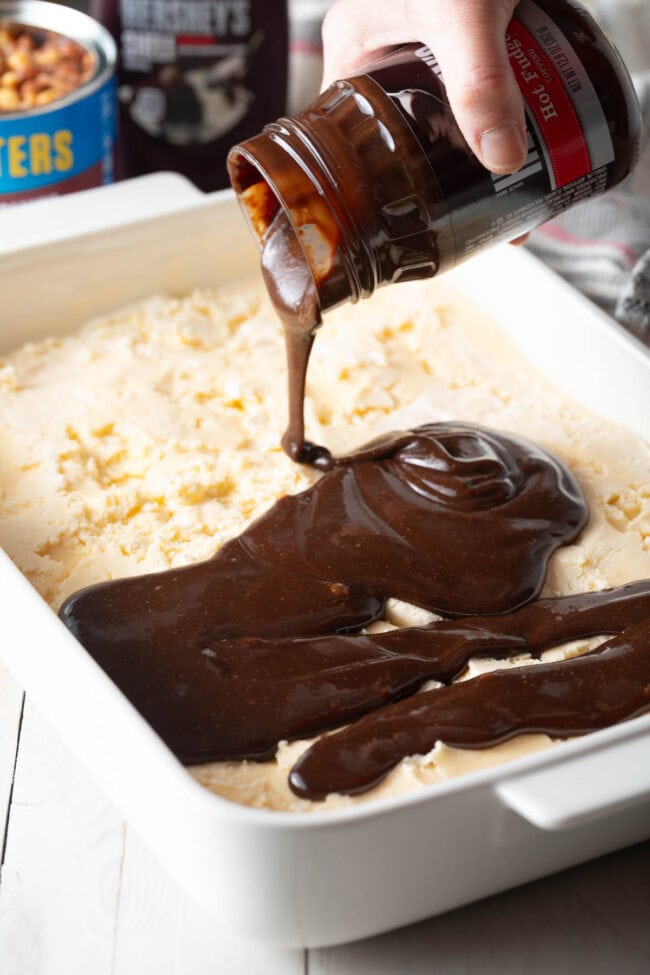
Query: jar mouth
x=259 y=204
x=281 y=169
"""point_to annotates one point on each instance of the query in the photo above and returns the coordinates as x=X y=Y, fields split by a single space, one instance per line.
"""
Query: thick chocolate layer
x=254 y=646
x=458 y=519
x=572 y=697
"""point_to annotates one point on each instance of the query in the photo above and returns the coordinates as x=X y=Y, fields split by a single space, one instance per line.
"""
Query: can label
x=59 y=150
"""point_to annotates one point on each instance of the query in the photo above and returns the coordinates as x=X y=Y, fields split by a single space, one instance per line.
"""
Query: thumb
x=470 y=47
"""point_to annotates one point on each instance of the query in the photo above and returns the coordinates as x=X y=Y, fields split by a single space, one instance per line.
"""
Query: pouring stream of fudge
x=294 y=296
x=262 y=643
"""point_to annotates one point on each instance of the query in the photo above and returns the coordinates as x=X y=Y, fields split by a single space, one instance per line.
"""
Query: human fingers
x=468 y=39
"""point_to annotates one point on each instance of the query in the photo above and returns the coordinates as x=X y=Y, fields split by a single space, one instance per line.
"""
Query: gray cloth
x=603 y=247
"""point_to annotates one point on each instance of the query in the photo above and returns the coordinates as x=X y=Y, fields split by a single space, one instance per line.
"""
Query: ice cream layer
x=151 y=437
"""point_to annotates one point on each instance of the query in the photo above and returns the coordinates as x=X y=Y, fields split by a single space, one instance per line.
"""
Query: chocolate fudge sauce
x=457 y=519
x=597 y=689
x=292 y=290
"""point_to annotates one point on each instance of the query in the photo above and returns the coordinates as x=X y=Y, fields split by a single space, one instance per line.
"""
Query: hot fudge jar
x=376 y=180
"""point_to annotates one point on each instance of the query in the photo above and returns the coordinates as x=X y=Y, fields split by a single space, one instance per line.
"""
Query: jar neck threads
x=347 y=189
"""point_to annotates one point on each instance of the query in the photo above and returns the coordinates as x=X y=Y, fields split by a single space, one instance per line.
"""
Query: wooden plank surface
x=11 y=706
x=61 y=874
x=82 y=895
x=161 y=932
x=594 y=918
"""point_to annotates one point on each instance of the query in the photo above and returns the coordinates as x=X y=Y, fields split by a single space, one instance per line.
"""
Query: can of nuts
x=57 y=101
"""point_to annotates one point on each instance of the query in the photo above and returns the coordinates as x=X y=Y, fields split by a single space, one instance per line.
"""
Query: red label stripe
x=548 y=100
x=190 y=39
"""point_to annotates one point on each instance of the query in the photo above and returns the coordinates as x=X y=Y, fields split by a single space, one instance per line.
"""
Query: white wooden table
x=81 y=895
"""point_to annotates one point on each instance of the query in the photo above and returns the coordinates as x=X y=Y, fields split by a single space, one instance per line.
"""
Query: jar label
x=569 y=144
x=562 y=105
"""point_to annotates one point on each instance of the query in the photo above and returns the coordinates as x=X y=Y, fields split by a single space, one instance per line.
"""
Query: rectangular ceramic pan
x=323 y=878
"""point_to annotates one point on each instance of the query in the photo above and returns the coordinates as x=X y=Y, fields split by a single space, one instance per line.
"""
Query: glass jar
x=380 y=186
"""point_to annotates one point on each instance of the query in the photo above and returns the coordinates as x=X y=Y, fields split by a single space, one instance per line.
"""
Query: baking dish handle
x=583 y=788
x=89 y=211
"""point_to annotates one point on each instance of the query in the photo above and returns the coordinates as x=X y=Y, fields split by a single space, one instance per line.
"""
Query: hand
x=468 y=39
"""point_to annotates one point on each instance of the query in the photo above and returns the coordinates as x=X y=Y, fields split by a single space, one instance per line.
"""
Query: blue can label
x=61 y=149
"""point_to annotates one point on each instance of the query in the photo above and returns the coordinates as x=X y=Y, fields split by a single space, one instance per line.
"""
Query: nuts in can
x=57 y=101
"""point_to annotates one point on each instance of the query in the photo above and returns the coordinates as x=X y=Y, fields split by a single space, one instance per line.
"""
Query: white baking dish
x=322 y=878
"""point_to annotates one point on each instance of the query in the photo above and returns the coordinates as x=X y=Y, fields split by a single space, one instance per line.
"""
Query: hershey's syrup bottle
x=379 y=185
x=193 y=78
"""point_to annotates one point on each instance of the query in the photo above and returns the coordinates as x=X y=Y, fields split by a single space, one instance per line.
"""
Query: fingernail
x=503 y=148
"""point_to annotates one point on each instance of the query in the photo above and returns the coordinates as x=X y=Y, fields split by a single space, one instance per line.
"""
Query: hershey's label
x=186 y=67
x=199 y=17
x=159 y=32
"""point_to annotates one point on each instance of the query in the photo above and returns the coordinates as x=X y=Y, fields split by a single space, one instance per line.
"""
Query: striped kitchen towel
x=603 y=247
